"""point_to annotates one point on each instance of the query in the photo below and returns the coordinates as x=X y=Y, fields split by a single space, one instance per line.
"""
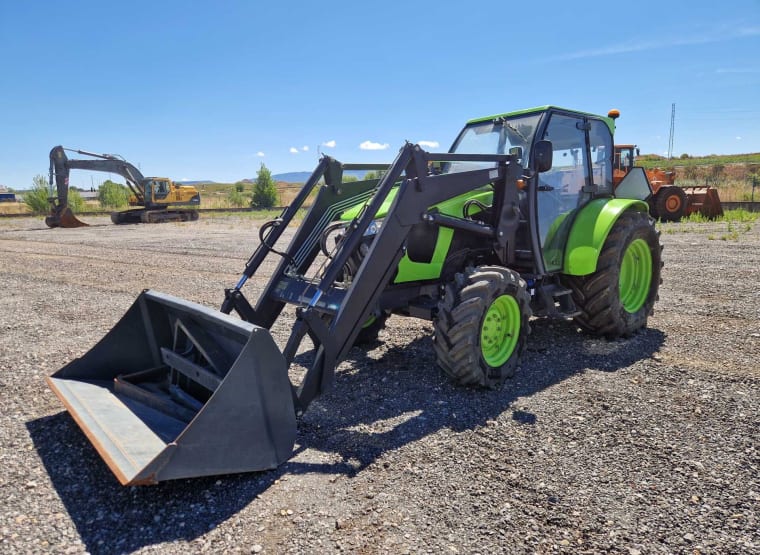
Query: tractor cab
x=580 y=170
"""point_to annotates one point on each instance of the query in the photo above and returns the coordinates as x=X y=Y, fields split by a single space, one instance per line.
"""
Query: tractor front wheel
x=371 y=329
x=617 y=299
x=481 y=326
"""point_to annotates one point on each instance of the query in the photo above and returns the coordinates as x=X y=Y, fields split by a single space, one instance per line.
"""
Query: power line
x=672 y=130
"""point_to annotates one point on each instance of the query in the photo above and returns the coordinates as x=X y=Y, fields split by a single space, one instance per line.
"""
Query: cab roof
x=609 y=121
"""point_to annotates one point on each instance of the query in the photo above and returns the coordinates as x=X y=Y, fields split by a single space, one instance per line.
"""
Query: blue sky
x=210 y=90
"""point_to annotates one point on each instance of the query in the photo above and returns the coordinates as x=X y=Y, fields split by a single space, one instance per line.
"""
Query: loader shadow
x=380 y=404
x=111 y=518
x=382 y=399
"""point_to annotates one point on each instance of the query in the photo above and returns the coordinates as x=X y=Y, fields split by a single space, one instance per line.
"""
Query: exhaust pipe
x=178 y=390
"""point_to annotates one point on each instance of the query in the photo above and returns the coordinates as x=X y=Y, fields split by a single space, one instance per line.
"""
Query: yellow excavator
x=156 y=198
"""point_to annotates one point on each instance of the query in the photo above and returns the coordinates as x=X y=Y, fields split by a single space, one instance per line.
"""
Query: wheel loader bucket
x=178 y=390
x=64 y=218
x=704 y=200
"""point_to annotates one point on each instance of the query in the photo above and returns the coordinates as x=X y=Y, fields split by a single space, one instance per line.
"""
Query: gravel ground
x=645 y=445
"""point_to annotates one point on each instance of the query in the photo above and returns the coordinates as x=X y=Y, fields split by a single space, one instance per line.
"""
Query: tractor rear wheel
x=670 y=204
x=617 y=299
x=481 y=326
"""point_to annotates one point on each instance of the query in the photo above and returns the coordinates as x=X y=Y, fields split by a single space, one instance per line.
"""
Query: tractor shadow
x=380 y=403
x=383 y=398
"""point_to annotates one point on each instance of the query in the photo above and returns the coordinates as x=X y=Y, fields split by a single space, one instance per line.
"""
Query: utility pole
x=672 y=130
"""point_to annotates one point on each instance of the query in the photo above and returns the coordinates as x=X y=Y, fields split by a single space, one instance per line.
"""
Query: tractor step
x=556 y=302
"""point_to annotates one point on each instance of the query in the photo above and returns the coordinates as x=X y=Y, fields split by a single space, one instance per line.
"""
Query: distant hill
x=290 y=177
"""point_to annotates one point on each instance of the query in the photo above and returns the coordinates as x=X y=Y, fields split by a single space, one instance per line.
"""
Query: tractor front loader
x=517 y=220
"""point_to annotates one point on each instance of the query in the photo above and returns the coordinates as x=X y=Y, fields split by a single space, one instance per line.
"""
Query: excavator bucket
x=704 y=200
x=64 y=218
x=177 y=390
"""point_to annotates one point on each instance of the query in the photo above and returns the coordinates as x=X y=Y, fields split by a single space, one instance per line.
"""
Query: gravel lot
x=644 y=445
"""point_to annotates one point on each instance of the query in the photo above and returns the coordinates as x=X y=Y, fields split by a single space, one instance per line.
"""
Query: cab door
x=561 y=190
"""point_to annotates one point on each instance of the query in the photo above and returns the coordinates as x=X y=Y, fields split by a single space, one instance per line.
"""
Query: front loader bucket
x=704 y=200
x=64 y=218
x=177 y=390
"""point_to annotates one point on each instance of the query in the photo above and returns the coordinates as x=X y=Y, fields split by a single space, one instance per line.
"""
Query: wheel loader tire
x=481 y=326
x=617 y=299
x=670 y=204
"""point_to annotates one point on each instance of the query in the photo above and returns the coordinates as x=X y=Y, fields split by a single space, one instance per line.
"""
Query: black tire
x=459 y=324
x=370 y=331
x=670 y=204
x=597 y=295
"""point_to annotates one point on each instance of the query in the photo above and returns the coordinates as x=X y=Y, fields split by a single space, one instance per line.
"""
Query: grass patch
x=650 y=161
x=737 y=223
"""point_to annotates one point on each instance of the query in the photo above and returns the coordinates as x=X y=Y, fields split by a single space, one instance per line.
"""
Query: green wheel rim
x=635 y=275
x=500 y=330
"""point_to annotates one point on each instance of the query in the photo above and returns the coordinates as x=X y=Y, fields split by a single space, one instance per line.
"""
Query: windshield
x=498 y=136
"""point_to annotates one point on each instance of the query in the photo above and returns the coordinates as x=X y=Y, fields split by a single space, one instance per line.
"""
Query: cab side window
x=600 y=141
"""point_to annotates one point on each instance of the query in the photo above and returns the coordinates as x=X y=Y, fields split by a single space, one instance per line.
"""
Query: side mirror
x=542 y=155
x=516 y=151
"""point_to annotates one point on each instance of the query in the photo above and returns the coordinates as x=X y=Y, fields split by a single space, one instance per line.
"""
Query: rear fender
x=589 y=232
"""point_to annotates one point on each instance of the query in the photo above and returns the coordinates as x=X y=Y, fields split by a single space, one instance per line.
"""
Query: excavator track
x=153 y=216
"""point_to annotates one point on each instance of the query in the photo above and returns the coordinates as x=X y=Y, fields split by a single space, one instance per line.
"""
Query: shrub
x=75 y=201
x=237 y=199
x=37 y=198
x=112 y=195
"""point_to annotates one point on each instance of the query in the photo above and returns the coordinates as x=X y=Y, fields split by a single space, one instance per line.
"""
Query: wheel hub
x=635 y=275
x=500 y=330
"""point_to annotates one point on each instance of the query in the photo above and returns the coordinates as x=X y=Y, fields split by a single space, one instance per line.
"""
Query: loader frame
x=331 y=315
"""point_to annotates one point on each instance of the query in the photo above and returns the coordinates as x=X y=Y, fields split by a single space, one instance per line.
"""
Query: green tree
x=350 y=178
x=264 y=189
x=112 y=195
x=37 y=198
x=239 y=187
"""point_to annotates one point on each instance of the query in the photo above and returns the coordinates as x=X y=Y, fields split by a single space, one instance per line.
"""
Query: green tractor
x=518 y=219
